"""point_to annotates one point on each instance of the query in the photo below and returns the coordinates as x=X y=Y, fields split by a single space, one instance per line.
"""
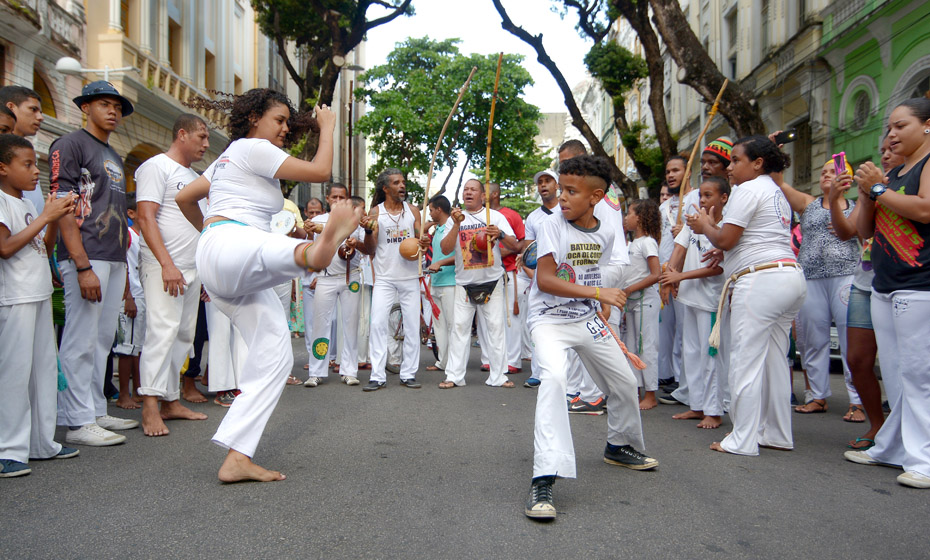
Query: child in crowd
x=642 y=294
x=28 y=363
x=130 y=330
x=572 y=246
x=7 y=121
x=698 y=292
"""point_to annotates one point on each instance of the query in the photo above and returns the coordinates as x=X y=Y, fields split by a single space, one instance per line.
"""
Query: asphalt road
x=426 y=473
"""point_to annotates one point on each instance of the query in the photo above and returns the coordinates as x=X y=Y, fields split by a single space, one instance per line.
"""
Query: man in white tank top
x=390 y=222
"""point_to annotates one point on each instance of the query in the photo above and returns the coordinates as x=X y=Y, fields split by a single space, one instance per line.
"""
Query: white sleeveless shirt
x=387 y=263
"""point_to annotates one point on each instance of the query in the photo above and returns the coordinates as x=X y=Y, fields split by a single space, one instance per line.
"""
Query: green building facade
x=879 y=54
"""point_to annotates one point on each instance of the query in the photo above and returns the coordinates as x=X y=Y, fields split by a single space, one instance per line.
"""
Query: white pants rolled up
x=494 y=317
x=554 y=452
x=86 y=341
x=762 y=306
x=29 y=382
x=902 y=331
x=383 y=295
x=169 y=334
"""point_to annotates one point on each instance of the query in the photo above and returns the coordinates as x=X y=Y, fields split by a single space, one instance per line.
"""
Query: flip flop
x=864 y=447
x=291 y=380
x=822 y=404
x=853 y=409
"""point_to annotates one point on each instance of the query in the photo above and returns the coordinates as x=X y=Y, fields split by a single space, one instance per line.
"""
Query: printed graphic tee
x=579 y=255
x=471 y=263
x=91 y=169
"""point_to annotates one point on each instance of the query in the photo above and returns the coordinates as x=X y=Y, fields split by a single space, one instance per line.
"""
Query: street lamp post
x=72 y=67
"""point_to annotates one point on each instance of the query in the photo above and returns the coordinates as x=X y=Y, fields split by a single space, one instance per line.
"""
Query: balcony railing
x=54 y=22
x=158 y=76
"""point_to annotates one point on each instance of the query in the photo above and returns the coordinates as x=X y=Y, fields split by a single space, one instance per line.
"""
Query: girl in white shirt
x=240 y=260
x=768 y=292
x=642 y=304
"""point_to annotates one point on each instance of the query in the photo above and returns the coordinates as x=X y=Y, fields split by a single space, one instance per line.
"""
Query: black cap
x=102 y=88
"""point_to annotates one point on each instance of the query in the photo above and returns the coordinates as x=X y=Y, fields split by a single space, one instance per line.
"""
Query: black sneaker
x=886 y=408
x=595 y=408
x=670 y=388
x=668 y=399
x=411 y=383
x=374 y=386
x=539 y=503
x=666 y=381
x=626 y=456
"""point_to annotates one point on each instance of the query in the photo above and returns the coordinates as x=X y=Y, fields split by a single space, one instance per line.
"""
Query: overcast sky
x=478 y=25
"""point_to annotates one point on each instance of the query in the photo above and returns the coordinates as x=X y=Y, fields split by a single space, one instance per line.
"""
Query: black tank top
x=900 y=252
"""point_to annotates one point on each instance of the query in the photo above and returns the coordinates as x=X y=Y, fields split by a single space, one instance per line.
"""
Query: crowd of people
x=616 y=308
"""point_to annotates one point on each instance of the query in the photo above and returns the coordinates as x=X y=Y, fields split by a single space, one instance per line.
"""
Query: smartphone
x=786 y=136
x=839 y=163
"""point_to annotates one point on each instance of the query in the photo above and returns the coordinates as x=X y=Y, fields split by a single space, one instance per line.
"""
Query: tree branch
x=586 y=21
x=282 y=52
x=390 y=17
x=628 y=186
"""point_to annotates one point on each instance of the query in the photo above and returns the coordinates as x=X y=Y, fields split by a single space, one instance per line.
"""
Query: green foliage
x=644 y=149
x=615 y=67
x=410 y=96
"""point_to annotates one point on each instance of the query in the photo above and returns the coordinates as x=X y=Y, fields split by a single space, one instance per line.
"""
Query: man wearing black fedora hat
x=92 y=257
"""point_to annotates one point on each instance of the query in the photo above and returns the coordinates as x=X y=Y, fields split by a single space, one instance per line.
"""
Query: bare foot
x=710 y=423
x=689 y=415
x=190 y=393
x=649 y=401
x=127 y=402
x=446 y=385
x=238 y=468
x=137 y=399
x=174 y=410
x=152 y=423
x=717 y=447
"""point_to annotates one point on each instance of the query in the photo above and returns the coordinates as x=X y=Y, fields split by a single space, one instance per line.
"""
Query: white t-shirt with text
x=159 y=179
x=579 y=256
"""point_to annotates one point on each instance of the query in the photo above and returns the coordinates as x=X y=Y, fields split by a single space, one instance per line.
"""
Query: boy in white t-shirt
x=28 y=362
x=130 y=327
x=699 y=288
x=564 y=304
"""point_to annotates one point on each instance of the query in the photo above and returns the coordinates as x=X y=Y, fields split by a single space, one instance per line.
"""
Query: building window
x=732 y=29
x=922 y=88
x=175 y=41
x=861 y=109
x=124 y=16
x=45 y=96
x=732 y=65
x=802 y=149
x=802 y=13
x=209 y=81
x=765 y=12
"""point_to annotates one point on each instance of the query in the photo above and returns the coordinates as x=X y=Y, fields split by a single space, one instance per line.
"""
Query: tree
x=410 y=96
x=536 y=41
x=697 y=69
x=321 y=30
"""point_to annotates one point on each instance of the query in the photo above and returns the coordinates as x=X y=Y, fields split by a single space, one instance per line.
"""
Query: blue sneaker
x=531 y=383
x=67 y=453
x=11 y=468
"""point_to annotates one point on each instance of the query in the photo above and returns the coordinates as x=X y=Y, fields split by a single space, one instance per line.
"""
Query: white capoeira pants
x=170 y=324
x=514 y=331
x=364 y=323
x=493 y=314
x=642 y=334
x=383 y=295
x=902 y=331
x=29 y=382
x=827 y=299
x=670 y=341
x=444 y=296
x=329 y=291
x=240 y=266
x=283 y=292
x=700 y=369
x=554 y=452
x=227 y=351
x=762 y=306
x=86 y=341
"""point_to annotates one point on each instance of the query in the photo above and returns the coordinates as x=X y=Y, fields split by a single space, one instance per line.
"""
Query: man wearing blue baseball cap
x=92 y=256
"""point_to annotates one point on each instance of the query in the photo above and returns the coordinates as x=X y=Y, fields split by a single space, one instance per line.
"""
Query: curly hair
x=9 y=143
x=243 y=109
x=757 y=146
x=650 y=220
x=587 y=166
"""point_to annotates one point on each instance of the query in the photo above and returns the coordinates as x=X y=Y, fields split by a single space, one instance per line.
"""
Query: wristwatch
x=876 y=191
